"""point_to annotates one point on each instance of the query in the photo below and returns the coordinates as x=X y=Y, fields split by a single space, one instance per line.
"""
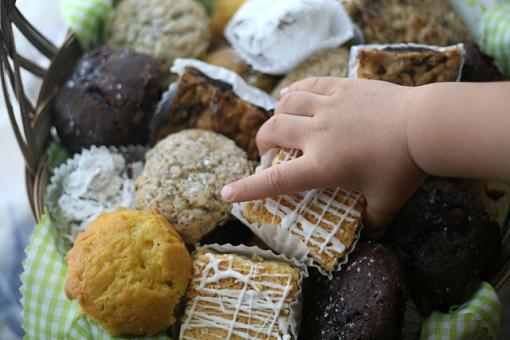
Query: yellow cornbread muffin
x=128 y=271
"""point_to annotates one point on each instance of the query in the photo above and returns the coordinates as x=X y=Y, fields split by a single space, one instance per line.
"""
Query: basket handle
x=10 y=65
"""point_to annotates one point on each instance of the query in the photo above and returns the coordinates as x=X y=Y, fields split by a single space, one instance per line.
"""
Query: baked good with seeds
x=163 y=29
x=183 y=177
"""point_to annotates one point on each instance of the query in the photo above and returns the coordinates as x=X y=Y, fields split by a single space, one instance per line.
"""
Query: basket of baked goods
x=151 y=108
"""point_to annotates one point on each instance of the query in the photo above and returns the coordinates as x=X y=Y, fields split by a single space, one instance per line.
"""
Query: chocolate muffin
x=447 y=243
x=231 y=232
x=479 y=67
x=365 y=300
x=108 y=99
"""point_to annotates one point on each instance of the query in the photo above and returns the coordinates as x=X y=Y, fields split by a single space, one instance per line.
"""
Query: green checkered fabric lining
x=47 y=313
x=495 y=38
x=478 y=318
x=88 y=19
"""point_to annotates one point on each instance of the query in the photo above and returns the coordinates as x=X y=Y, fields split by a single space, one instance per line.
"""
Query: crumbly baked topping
x=410 y=66
x=164 y=29
x=431 y=22
x=183 y=177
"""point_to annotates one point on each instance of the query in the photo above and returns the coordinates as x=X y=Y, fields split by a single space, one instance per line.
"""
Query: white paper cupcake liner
x=355 y=50
x=268 y=255
x=68 y=229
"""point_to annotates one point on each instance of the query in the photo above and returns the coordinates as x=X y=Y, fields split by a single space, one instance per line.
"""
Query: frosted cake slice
x=233 y=297
x=326 y=222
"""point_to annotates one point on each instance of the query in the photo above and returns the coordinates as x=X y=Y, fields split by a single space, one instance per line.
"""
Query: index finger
x=285 y=178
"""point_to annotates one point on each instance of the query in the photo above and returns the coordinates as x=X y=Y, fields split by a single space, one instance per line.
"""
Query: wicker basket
x=34 y=132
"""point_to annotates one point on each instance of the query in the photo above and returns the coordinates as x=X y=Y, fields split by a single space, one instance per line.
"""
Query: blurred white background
x=15 y=219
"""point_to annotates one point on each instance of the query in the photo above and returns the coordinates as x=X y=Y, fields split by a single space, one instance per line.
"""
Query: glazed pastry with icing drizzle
x=324 y=223
x=233 y=297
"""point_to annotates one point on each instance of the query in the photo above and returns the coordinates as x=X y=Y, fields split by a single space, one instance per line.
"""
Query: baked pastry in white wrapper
x=240 y=292
x=213 y=98
x=317 y=227
x=407 y=64
x=275 y=36
x=97 y=180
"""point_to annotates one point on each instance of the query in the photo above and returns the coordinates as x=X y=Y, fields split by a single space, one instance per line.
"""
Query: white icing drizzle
x=262 y=301
x=321 y=233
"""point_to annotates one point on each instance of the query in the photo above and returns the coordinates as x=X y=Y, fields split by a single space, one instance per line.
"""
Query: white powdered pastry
x=234 y=296
x=275 y=36
x=317 y=227
x=95 y=181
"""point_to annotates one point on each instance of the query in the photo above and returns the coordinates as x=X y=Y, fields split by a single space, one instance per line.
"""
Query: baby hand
x=352 y=133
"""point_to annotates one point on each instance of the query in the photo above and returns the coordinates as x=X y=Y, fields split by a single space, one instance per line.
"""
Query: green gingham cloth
x=489 y=21
x=478 y=318
x=88 y=19
x=47 y=313
x=495 y=39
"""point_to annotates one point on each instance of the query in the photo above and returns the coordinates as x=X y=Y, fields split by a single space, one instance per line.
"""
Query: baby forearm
x=460 y=129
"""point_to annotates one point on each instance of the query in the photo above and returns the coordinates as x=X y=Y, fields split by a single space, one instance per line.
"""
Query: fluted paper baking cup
x=268 y=255
x=86 y=186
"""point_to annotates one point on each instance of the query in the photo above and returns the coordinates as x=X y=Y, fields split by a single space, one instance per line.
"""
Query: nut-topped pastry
x=321 y=225
x=407 y=64
x=431 y=22
x=183 y=177
x=236 y=297
x=203 y=102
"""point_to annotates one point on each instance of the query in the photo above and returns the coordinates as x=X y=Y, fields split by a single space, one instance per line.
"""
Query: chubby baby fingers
x=289 y=177
x=282 y=130
x=301 y=103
